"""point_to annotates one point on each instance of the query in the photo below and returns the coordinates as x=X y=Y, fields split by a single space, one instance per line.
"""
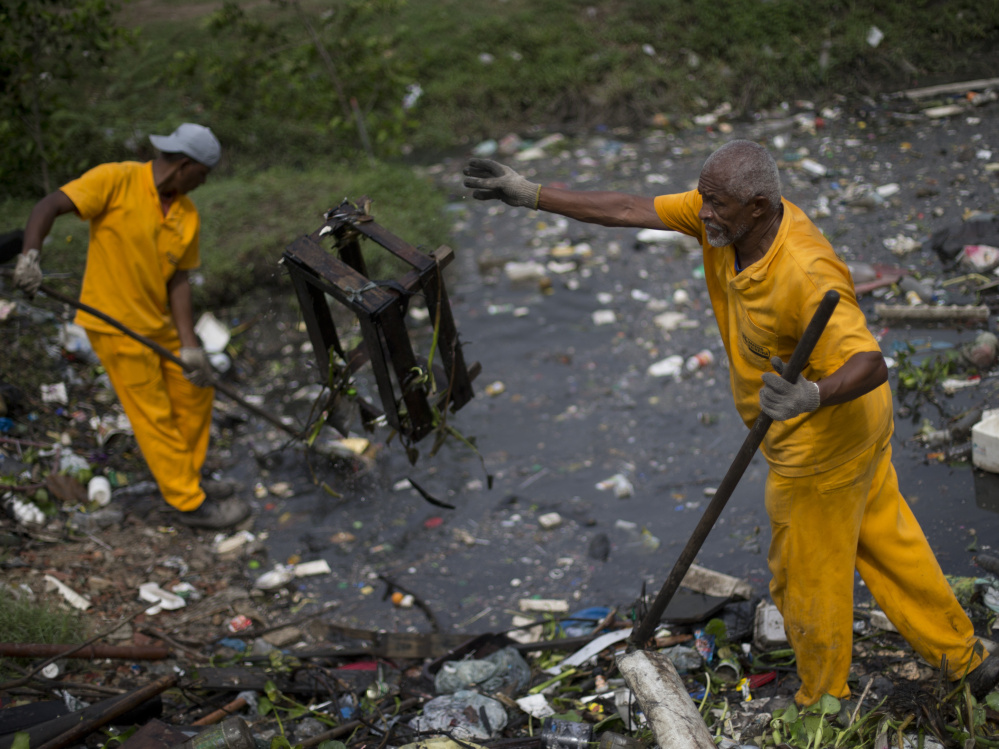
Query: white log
x=952 y=312
x=671 y=713
x=951 y=88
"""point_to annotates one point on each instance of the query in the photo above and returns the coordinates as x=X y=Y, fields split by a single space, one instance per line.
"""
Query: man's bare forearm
x=604 y=208
x=43 y=216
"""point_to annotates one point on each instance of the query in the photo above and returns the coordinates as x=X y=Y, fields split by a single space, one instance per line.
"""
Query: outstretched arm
x=491 y=180
x=604 y=208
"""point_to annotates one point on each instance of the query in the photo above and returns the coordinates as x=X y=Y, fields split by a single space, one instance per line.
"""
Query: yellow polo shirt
x=764 y=311
x=134 y=249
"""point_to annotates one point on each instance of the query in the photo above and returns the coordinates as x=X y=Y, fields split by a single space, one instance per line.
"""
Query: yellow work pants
x=171 y=418
x=853 y=517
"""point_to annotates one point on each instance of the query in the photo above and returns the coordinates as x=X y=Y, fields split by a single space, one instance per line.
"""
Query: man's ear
x=760 y=206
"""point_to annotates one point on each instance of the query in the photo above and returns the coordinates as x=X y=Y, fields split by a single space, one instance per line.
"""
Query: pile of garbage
x=217 y=670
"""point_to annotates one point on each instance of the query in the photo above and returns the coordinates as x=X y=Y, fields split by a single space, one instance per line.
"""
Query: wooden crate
x=407 y=402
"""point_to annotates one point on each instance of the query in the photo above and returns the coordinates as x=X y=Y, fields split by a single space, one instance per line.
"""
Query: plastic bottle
x=231 y=733
x=862 y=272
x=88 y=522
x=99 y=490
x=923 y=291
x=565 y=734
x=698 y=360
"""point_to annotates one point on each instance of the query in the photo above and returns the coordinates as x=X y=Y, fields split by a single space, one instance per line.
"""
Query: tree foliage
x=327 y=79
x=44 y=46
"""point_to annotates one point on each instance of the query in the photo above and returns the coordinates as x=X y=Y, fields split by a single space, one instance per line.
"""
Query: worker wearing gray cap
x=144 y=234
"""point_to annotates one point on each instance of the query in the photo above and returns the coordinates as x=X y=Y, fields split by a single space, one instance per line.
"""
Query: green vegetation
x=316 y=98
x=247 y=221
x=25 y=621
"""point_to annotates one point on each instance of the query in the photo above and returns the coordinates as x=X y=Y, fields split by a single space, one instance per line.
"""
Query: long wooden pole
x=642 y=634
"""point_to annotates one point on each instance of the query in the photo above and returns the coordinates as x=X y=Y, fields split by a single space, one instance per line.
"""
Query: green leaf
x=992 y=700
x=264 y=706
x=22 y=740
x=272 y=692
x=828 y=705
x=332 y=745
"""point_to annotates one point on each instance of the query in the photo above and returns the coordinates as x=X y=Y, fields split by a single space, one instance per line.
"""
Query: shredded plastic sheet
x=490 y=674
x=464 y=715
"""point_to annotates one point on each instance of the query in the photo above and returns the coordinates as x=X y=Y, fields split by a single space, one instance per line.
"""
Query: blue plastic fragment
x=583 y=622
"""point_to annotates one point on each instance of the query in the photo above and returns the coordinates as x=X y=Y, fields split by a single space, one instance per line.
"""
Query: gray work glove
x=782 y=400
x=28 y=272
x=197 y=368
x=491 y=180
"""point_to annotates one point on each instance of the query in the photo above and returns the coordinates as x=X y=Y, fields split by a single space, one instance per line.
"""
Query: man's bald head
x=746 y=169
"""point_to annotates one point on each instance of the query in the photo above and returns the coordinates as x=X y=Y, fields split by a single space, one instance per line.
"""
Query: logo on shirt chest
x=172 y=259
x=756 y=348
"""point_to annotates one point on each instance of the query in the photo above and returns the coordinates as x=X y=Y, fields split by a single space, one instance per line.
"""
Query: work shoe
x=218 y=489
x=985 y=678
x=215 y=514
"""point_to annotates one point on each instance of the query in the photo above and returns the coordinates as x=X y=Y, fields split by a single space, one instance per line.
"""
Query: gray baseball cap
x=195 y=141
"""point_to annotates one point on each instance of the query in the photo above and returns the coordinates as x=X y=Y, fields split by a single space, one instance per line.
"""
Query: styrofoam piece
x=768 y=630
x=160 y=598
x=318 y=567
x=702 y=580
x=225 y=545
x=544 y=605
x=985 y=442
x=73 y=598
x=880 y=620
x=536 y=705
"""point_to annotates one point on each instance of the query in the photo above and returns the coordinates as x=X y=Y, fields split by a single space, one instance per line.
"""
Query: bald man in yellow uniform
x=144 y=233
x=831 y=493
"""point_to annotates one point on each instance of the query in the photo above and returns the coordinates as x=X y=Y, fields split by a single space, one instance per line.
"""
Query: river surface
x=575 y=408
